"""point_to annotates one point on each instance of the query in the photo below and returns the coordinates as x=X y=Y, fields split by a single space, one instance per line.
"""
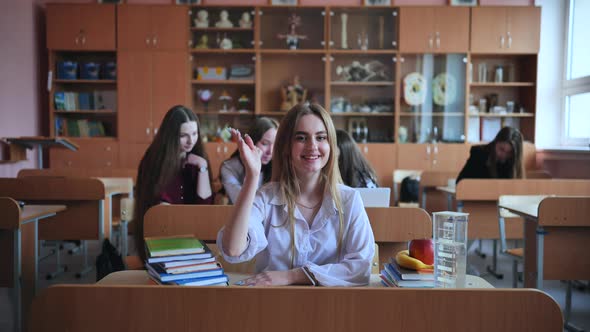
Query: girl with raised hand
x=304 y=227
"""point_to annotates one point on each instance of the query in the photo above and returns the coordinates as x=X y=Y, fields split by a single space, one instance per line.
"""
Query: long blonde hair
x=283 y=171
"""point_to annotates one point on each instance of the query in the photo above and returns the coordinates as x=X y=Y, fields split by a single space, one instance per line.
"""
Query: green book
x=176 y=245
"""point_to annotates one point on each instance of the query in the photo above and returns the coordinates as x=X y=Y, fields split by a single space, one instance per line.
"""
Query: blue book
x=158 y=272
x=221 y=280
x=84 y=101
x=59 y=99
x=394 y=276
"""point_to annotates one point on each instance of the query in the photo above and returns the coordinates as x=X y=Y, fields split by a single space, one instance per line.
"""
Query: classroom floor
x=580 y=299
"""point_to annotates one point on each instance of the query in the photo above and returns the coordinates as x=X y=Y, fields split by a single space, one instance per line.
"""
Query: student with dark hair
x=500 y=159
x=174 y=168
x=232 y=173
x=304 y=227
x=355 y=170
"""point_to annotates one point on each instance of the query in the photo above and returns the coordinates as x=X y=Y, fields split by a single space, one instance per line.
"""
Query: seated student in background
x=355 y=170
x=174 y=168
x=232 y=172
x=304 y=227
x=500 y=159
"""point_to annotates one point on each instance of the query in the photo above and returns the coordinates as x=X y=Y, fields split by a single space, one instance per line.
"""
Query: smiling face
x=189 y=134
x=503 y=151
x=266 y=144
x=310 y=149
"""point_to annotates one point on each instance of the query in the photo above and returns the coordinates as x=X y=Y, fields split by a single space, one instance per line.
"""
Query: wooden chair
x=262 y=309
x=392 y=227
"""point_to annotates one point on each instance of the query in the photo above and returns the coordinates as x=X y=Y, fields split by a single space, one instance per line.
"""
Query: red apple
x=423 y=250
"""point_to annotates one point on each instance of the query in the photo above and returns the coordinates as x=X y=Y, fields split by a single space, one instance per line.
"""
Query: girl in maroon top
x=174 y=168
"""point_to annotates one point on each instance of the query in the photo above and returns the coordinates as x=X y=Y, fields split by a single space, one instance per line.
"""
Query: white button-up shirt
x=316 y=247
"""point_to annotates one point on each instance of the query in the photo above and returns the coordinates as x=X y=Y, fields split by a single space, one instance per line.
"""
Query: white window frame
x=571 y=87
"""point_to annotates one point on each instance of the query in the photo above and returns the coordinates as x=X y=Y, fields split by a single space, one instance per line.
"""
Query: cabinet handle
x=252 y=43
x=190 y=43
x=394 y=59
x=509 y=39
x=260 y=43
x=501 y=41
x=147 y=41
x=69 y=163
x=155 y=130
x=83 y=39
x=427 y=152
x=323 y=43
x=435 y=149
x=218 y=150
x=394 y=13
x=77 y=40
x=394 y=43
x=430 y=41
x=331 y=43
x=108 y=148
x=147 y=131
x=109 y=164
x=225 y=149
x=366 y=149
x=402 y=59
x=155 y=40
x=437 y=39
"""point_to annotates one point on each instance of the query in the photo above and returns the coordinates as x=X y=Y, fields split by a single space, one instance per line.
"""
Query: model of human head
x=223 y=20
x=245 y=21
x=202 y=20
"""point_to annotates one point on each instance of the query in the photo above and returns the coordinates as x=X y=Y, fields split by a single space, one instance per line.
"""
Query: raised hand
x=249 y=153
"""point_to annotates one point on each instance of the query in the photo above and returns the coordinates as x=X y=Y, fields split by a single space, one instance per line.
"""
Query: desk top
x=31 y=212
x=447 y=189
x=117 y=185
x=140 y=277
x=29 y=141
x=522 y=205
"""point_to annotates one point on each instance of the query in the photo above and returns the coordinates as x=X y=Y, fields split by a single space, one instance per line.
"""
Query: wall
x=19 y=69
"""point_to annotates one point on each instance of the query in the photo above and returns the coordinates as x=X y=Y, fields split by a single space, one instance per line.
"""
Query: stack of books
x=183 y=260
x=394 y=275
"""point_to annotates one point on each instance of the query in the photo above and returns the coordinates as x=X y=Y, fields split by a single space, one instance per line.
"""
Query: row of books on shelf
x=394 y=275
x=183 y=260
x=79 y=128
x=95 y=100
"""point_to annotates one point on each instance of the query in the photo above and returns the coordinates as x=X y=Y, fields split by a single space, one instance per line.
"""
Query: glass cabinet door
x=363 y=29
x=292 y=28
x=432 y=98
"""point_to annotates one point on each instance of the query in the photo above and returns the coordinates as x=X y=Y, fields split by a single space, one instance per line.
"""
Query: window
x=576 y=86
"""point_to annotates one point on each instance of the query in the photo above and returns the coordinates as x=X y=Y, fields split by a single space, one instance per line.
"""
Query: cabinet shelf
x=85 y=81
x=218 y=50
x=214 y=29
x=224 y=113
x=381 y=83
x=223 y=82
x=506 y=115
x=504 y=84
x=361 y=52
x=431 y=114
x=105 y=112
x=283 y=51
x=361 y=114
x=272 y=113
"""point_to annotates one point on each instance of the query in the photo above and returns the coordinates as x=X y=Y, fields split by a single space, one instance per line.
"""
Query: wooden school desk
x=19 y=251
x=41 y=142
x=294 y=308
x=479 y=198
x=392 y=227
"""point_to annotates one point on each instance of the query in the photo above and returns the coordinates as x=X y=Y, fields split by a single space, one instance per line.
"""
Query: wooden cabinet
x=435 y=157
x=95 y=153
x=505 y=29
x=382 y=157
x=130 y=154
x=145 y=27
x=434 y=29
x=150 y=83
x=81 y=27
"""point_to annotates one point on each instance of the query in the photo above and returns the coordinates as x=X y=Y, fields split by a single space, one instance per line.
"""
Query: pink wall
x=19 y=88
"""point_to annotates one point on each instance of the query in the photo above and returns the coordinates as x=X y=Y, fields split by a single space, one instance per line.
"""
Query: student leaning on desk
x=174 y=168
x=500 y=159
x=304 y=227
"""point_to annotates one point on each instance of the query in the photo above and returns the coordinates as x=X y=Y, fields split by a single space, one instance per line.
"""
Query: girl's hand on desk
x=249 y=153
x=275 y=278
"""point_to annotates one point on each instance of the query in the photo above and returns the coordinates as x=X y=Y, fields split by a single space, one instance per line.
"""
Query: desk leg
x=423 y=199
x=540 y=248
x=29 y=270
x=16 y=282
x=39 y=156
x=450 y=202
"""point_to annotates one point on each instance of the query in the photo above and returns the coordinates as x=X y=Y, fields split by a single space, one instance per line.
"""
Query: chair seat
x=516 y=252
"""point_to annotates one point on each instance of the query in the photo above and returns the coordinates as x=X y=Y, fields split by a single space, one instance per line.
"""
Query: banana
x=404 y=259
